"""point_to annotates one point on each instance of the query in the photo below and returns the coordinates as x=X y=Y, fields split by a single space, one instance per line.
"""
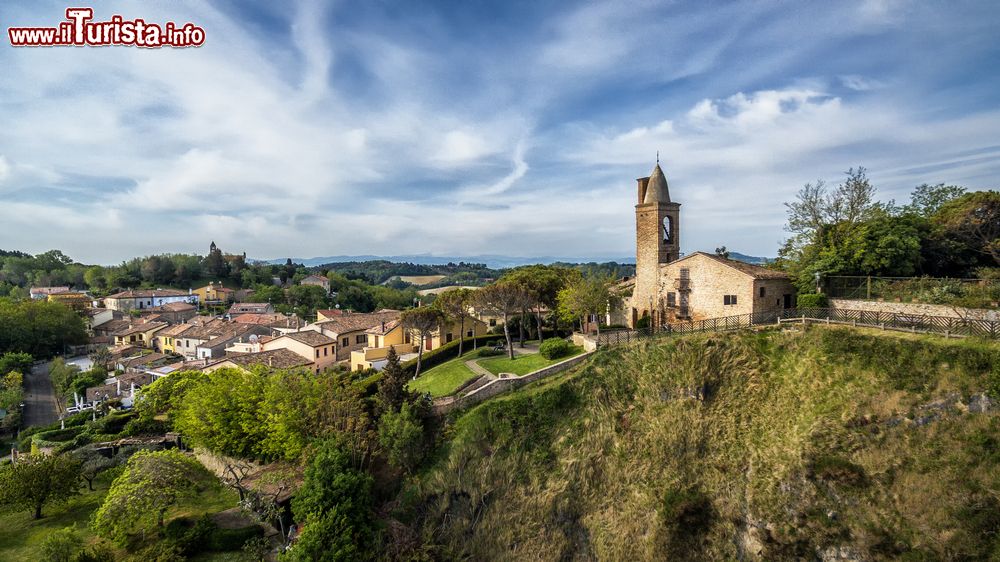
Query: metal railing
x=943 y=325
x=932 y=290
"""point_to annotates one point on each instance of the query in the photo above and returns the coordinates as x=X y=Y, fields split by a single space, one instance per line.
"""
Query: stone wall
x=499 y=386
x=914 y=308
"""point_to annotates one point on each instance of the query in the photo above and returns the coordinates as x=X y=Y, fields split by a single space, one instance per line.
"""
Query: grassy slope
x=443 y=379
x=802 y=442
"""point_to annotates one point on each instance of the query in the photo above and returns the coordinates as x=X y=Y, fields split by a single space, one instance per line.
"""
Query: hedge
x=812 y=300
x=446 y=352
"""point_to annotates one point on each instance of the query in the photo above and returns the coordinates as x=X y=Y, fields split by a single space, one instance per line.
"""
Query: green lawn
x=21 y=536
x=522 y=364
x=445 y=378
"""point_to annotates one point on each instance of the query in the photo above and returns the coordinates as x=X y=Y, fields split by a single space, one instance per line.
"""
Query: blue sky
x=465 y=128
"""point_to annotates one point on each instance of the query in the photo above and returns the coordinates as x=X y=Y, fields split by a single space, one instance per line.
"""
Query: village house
x=186 y=343
x=322 y=315
x=122 y=387
x=98 y=316
x=350 y=330
x=175 y=312
x=669 y=288
x=241 y=308
x=391 y=334
x=280 y=358
x=41 y=293
x=76 y=300
x=166 y=338
x=215 y=347
x=136 y=299
x=215 y=294
x=317 y=280
x=139 y=333
x=317 y=347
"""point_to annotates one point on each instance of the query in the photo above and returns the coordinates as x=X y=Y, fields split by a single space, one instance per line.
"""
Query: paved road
x=40 y=406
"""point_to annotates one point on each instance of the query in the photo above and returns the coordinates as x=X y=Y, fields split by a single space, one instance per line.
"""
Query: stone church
x=669 y=288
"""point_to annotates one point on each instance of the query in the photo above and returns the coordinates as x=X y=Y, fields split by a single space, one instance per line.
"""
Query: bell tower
x=657 y=230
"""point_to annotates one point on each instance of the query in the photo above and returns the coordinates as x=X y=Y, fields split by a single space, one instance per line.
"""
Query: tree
x=401 y=435
x=542 y=284
x=392 y=392
x=92 y=463
x=503 y=299
x=423 y=320
x=221 y=411
x=334 y=509
x=39 y=328
x=101 y=357
x=588 y=295
x=722 y=252
x=36 y=480
x=974 y=220
x=151 y=483
x=454 y=304
x=926 y=200
x=20 y=362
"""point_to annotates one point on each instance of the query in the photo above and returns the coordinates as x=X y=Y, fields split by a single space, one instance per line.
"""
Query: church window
x=671 y=299
x=763 y=292
x=667 y=230
x=728 y=300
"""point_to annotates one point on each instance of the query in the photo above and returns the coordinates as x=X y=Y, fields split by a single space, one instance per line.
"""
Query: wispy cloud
x=343 y=128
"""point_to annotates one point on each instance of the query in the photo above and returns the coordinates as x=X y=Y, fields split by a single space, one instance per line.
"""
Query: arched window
x=667 y=230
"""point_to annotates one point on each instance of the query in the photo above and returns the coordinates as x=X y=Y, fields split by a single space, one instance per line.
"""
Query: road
x=40 y=406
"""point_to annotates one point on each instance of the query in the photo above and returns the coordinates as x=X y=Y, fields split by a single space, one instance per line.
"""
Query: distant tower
x=213 y=247
x=657 y=230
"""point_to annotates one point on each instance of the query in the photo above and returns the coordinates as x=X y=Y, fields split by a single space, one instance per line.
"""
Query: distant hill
x=492 y=261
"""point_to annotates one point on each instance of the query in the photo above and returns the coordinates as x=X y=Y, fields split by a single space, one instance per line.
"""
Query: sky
x=463 y=128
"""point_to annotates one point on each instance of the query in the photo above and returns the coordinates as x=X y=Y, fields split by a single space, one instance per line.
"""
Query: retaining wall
x=914 y=308
x=499 y=386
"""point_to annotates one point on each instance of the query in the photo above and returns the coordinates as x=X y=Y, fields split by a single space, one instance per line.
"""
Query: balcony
x=682 y=284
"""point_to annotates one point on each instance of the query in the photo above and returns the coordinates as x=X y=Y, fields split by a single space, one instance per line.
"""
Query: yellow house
x=139 y=334
x=320 y=349
x=447 y=333
x=166 y=339
x=380 y=338
x=215 y=293
x=391 y=334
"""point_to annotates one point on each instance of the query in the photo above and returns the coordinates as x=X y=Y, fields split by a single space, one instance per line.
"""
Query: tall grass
x=769 y=446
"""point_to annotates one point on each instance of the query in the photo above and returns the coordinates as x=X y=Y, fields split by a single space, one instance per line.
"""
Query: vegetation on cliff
x=757 y=446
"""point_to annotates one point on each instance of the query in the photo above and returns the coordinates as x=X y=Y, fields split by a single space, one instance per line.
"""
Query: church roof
x=656 y=189
x=755 y=271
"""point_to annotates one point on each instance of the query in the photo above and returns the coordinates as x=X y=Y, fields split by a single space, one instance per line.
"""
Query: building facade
x=669 y=288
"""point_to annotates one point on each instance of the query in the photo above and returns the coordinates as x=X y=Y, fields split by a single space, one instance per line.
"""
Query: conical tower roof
x=656 y=189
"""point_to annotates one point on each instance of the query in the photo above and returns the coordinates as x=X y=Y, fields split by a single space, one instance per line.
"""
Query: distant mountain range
x=491 y=261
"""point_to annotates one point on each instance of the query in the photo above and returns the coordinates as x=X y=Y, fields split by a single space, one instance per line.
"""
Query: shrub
x=488 y=352
x=145 y=426
x=642 y=323
x=554 y=348
x=112 y=423
x=62 y=546
x=812 y=300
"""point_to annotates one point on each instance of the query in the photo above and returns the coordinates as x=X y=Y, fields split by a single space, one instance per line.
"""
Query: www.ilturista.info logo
x=79 y=30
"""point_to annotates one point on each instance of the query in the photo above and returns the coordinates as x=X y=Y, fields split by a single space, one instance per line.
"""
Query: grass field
x=21 y=536
x=421 y=279
x=445 y=378
x=522 y=364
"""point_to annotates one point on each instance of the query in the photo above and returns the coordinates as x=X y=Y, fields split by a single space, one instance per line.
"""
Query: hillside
x=826 y=444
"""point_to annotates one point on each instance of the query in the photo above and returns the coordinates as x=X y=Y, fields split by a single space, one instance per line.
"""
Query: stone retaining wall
x=499 y=386
x=914 y=308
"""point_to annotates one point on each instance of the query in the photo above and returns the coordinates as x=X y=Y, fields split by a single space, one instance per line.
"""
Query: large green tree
x=39 y=328
x=421 y=321
x=334 y=507
x=36 y=480
x=151 y=483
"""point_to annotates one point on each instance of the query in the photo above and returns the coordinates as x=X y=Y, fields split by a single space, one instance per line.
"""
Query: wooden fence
x=943 y=325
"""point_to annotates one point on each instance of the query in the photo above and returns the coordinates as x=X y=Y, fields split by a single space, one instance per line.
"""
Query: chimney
x=383 y=327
